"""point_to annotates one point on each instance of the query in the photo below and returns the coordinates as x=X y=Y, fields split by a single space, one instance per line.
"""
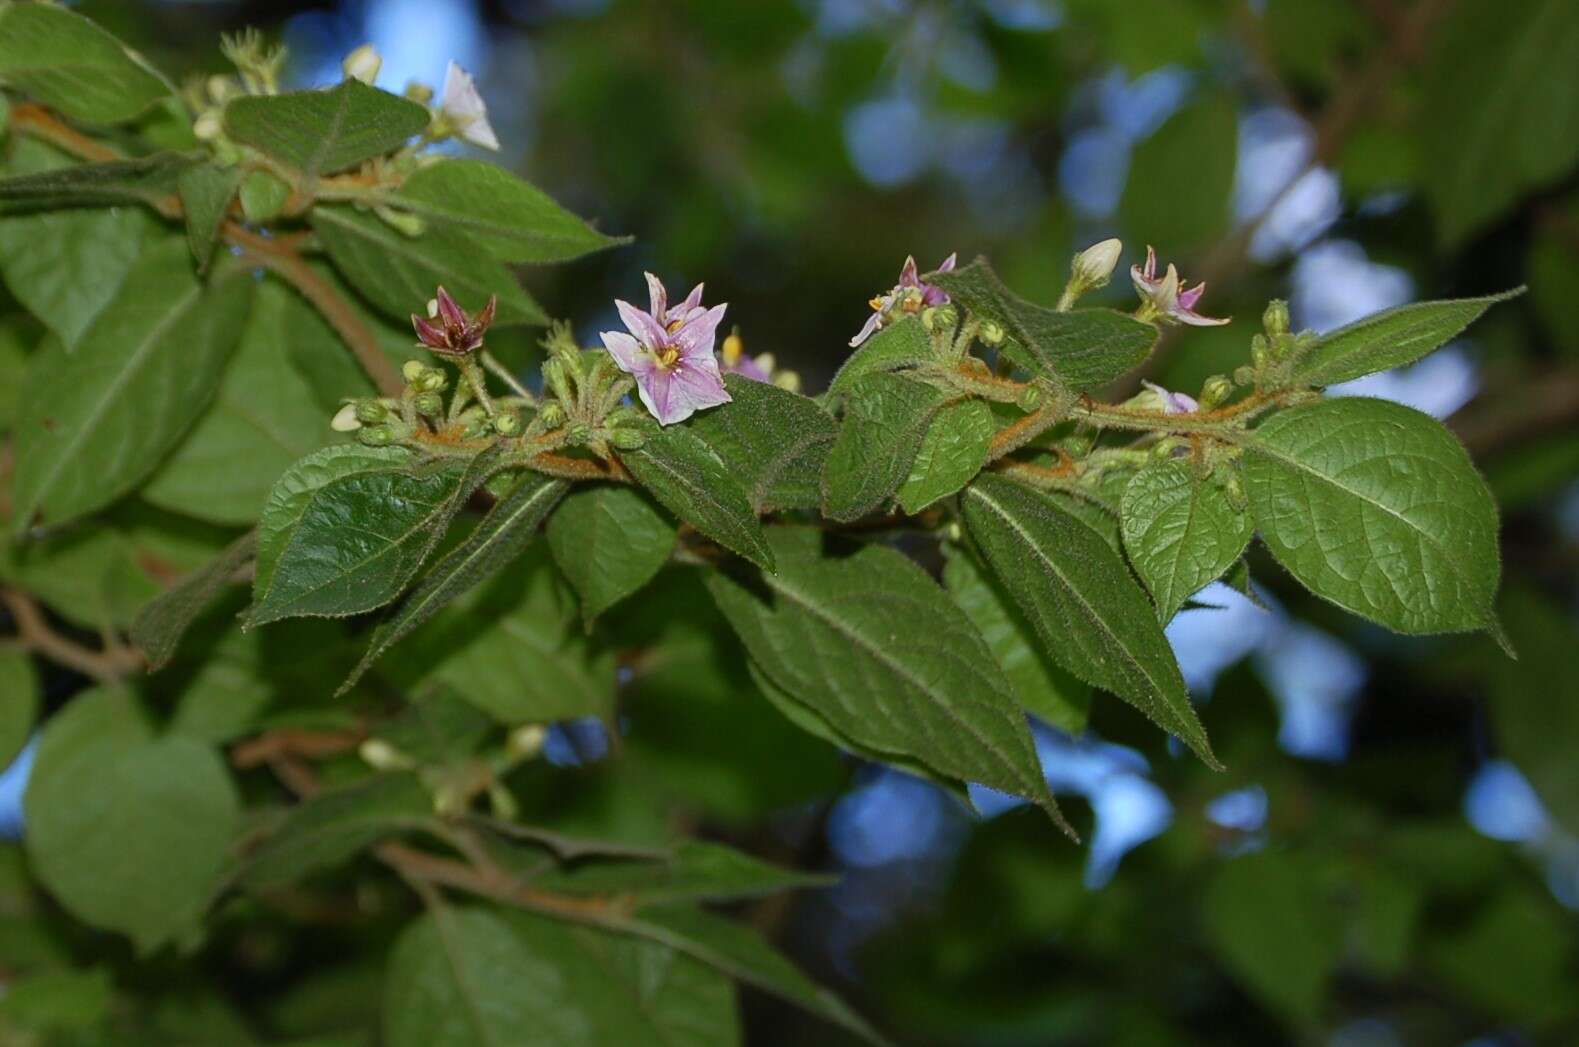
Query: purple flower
x=736 y=361
x=448 y=329
x=1166 y=297
x=1173 y=403
x=910 y=295
x=669 y=351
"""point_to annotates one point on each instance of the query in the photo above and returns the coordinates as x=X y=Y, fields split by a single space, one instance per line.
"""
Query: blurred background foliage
x=1392 y=856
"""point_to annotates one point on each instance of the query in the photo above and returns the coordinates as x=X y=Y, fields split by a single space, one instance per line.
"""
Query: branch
x=32 y=119
x=279 y=258
x=35 y=633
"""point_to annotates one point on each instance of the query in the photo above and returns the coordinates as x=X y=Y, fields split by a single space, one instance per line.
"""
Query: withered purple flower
x=669 y=351
x=448 y=329
x=1166 y=297
x=1173 y=403
x=908 y=296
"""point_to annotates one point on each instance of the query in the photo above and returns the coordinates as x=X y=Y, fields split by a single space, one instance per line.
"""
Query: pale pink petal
x=655 y=390
x=628 y=353
x=646 y=329
x=694 y=389
x=658 y=295
x=948 y=263
x=692 y=301
x=746 y=367
x=696 y=338
x=873 y=323
x=908 y=276
x=1194 y=319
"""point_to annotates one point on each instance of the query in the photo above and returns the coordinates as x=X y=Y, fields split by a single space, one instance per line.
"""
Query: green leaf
x=507 y=217
x=321 y=132
x=1535 y=702
x=398 y=272
x=1083 y=348
x=878 y=650
x=264 y=418
x=148 y=180
x=105 y=795
x=885 y=421
x=65 y=266
x=1377 y=508
x=1390 y=339
x=1042 y=688
x=516 y=648
x=343 y=534
x=951 y=454
x=1501 y=119
x=329 y=829
x=206 y=192
x=1266 y=916
x=743 y=954
x=609 y=541
x=502 y=535
x=1092 y=617
x=481 y=977
x=263 y=195
x=19 y=684
x=693 y=483
x=57 y=1004
x=694 y=870
x=772 y=440
x=1181 y=532
x=101 y=417
x=1511 y=959
x=159 y=626
x=1181 y=178
x=73 y=66
x=895 y=347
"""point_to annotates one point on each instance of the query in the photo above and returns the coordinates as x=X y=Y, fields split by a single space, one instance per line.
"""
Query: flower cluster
x=909 y=296
x=1166 y=298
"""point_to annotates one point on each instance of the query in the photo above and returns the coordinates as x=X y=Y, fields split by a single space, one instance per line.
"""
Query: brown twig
x=32 y=119
x=342 y=316
x=293 y=743
x=36 y=634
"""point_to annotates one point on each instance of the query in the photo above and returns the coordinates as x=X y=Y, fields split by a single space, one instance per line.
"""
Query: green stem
x=502 y=372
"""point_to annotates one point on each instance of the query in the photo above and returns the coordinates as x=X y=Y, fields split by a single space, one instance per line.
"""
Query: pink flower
x=759 y=369
x=449 y=330
x=1166 y=297
x=669 y=351
x=910 y=295
x=1173 y=403
x=464 y=109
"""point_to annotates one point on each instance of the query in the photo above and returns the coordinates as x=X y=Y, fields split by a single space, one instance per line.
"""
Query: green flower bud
x=371 y=412
x=552 y=415
x=430 y=405
x=1260 y=353
x=1078 y=444
x=991 y=333
x=376 y=435
x=507 y=423
x=1244 y=376
x=1275 y=319
x=412 y=371
x=421 y=94
x=555 y=377
x=1215 y=391
x=939 y=318
x=1030 y=398
x=579 y=432
x=1164 y=449
x=433 y=380
x=627 y=439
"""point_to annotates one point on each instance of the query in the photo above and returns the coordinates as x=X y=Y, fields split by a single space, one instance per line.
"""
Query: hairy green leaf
x=1181 y=532
x=878 y=650
x=774 y=441
x=895 y=347
x=1042 y=687
x=482 y=977
x=885 y=421
x=1082 y=349
x=263 y=195
x=263 y=418
x=1376 y=507
x=104 y=795
x=73 y=66
x=692 y=482
x=398 y=272
x=159 y=626
x=501 y=536
x=141 y=180
x=324 y=131
x=511 y=219
x=1078 y=593
x=609 y=541
x=101 y=417
x=206 y=192
x=65 y=266
x=952 y=452
x=343 y=534
x=1390 y=339
x=328 y=829
x=694 y=870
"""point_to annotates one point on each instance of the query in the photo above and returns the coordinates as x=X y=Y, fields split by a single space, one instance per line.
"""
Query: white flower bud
x=413 y=370
x=362 y=64
x=382 y=756
x=207 y=127
x=345 y=419
x=527 y=740
x=1096 y=263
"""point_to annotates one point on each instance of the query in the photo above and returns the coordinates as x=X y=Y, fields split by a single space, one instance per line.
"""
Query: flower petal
x=908 y=276
x=873 y=323
x=697 y=336
x=648 y=331
x=628 y=353
x=658 y=295
x=949 y=263
x=449 y=310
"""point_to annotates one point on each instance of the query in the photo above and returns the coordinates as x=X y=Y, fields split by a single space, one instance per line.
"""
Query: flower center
x=667 y=356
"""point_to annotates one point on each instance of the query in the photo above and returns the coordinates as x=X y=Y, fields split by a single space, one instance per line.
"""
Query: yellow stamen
x=734 y=345
x=667 y=357
x=877 y=304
